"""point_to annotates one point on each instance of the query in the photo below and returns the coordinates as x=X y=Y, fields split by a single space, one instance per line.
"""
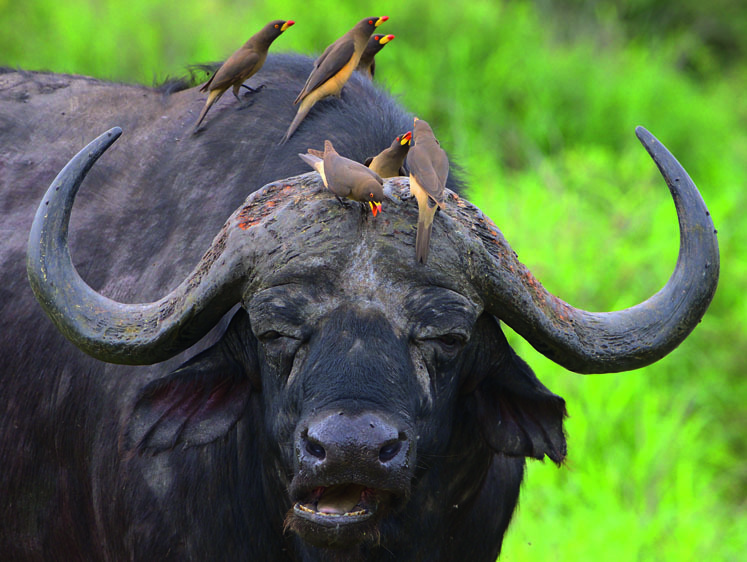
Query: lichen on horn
x=603 y=342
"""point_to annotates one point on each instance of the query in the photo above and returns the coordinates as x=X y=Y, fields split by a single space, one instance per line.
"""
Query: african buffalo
x=306 y=391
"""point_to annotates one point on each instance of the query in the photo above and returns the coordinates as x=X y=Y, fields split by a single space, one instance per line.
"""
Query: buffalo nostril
x=389 y=451
x=315 y=450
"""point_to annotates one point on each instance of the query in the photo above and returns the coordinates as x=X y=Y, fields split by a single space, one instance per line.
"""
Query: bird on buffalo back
x=429 y=168
x=242 y=65
x=367 y=64
x=345 y=177
x=389 y=162
x=332 y=69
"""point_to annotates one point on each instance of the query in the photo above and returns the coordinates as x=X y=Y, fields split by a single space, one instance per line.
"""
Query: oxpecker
x=429 y=168
x=389 y=162
x=333 y=68
x=345 y=177
x=242 y=65
x=367 y=63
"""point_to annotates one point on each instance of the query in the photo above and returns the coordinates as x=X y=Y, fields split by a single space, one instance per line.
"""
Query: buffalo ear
x=517 y=414
x=200 y=401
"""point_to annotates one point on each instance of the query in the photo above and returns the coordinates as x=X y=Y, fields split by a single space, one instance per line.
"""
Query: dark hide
x=193 y=459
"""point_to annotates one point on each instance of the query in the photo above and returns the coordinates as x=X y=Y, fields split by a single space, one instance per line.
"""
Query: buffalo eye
x=280 y=343
x=445 y=346
x=449 y=343
x=269 y=335
x=272 y=336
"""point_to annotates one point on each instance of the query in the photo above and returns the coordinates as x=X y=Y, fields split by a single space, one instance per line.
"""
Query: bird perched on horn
x=242 y=65
x=333 y=68
x=429 y=168
x=345 y=177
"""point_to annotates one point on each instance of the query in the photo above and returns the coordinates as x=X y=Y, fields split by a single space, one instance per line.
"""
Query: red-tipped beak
x=406 y=138
x=385 y=39
x=381 y=20
x=375 y=207
x=286 y=25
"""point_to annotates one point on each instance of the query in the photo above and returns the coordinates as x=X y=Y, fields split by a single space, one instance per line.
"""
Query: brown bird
x=242 y=65
x=346 y=178
x=429 y=168
x=388 y=163
x=333 y=68
x=367 y=63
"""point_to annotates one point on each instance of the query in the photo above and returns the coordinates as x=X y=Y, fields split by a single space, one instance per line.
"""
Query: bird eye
x=276 y=26
x=370 y=195
x=370 y=22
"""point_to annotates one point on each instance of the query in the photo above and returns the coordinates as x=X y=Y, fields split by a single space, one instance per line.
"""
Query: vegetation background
x=538 y=101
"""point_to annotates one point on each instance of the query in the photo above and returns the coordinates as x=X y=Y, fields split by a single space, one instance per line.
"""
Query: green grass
x=539 y=103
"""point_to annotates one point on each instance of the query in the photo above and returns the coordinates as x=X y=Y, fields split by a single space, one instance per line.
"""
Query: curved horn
x=133 y=334
x=594 y=342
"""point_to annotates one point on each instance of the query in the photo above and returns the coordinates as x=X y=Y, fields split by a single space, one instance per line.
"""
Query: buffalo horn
x=605 y=342
x=134 y=334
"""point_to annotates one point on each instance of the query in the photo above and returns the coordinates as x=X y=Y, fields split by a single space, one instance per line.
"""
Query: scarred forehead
x=319 y=255
x=404 y=297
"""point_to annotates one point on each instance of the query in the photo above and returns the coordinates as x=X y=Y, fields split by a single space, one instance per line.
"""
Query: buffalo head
x=386 y=387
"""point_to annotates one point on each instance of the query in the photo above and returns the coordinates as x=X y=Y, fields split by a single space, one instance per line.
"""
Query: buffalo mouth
x=340 y=515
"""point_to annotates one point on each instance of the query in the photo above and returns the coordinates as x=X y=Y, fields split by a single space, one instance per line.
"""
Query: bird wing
x=206 y=86
x=441 y=167
x=369 y=171
x=329 y=64
x=336 y=168
x=237 y=68
x=420 y=165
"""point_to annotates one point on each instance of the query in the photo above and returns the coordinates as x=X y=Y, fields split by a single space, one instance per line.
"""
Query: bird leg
x=252 y=90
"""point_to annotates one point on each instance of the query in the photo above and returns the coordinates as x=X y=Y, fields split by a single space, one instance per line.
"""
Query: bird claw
x=251 y=91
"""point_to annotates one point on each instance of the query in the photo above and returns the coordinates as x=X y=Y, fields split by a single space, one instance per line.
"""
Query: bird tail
x=212 y=98
x=303 y=110
x=328 y=148
x=312 y=160
x=206 y=85
x=422 y=241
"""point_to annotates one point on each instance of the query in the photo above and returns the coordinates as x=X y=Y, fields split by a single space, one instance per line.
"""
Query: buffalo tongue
x=340 y=499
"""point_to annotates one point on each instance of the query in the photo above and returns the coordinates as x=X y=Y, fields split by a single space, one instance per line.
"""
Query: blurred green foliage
x=538 y=102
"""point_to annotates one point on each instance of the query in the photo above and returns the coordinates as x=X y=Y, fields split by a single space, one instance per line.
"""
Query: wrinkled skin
x=334 y=336
x=456 y=488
